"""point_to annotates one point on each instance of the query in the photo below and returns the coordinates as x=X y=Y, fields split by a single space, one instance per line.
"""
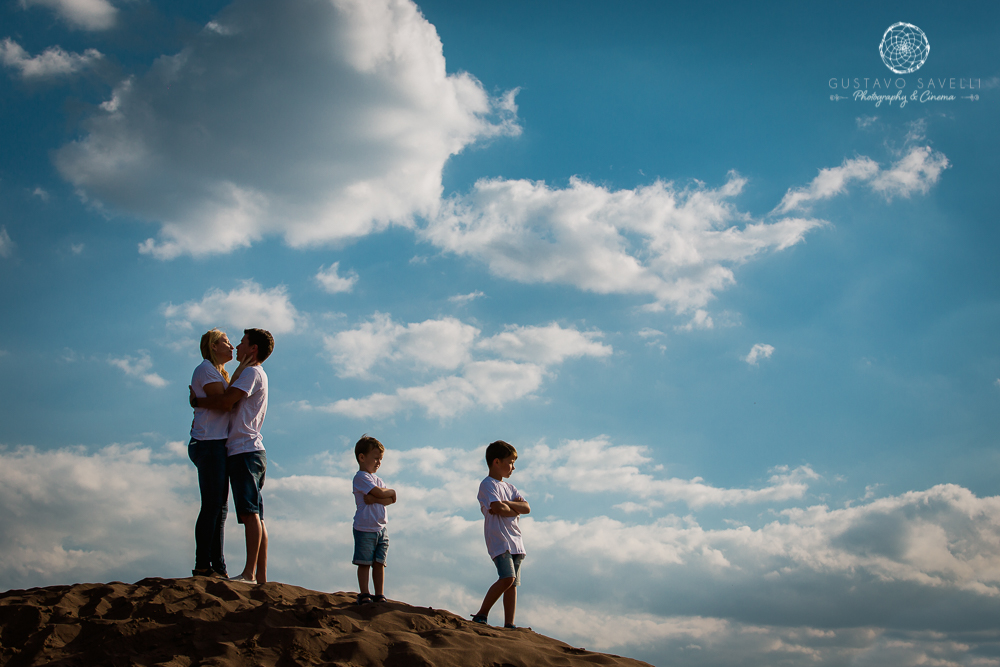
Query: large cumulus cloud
x=315 y=120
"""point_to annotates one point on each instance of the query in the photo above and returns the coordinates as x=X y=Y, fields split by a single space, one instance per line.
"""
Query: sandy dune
x=201 y=621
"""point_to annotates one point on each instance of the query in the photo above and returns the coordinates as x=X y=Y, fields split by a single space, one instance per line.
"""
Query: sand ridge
x=202 y=621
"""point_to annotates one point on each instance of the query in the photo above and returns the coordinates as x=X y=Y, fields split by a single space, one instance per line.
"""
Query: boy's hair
x=499 y=450
x=365 y=445
x=263 y=340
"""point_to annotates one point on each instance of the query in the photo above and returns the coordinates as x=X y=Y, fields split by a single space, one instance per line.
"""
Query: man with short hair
x=246 y=462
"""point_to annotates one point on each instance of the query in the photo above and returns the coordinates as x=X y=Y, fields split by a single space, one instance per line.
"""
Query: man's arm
x=224 y=401
x=380 y=496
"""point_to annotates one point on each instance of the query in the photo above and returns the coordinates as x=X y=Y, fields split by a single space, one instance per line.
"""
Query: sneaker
x=240 y=579
x=477 y=618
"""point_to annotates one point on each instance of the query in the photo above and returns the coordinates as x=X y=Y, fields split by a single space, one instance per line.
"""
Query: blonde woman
x=207 y=451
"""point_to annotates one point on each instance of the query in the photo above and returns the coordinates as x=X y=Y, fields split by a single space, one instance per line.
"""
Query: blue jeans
x=209 y=456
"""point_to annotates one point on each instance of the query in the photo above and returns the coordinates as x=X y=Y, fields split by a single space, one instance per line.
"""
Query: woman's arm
x=214 y=388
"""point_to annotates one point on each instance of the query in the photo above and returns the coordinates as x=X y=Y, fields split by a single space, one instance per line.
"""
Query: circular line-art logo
x=904 y=48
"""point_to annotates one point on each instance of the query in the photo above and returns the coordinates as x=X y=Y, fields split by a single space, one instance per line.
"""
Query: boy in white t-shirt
x=371 y=541
x=501 y=504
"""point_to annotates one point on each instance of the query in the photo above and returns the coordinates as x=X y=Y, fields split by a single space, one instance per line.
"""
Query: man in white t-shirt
x=246 y=461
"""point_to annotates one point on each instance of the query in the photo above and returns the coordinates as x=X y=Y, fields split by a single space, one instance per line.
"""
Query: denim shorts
x=246 y=477
x=370 y=548
x=509 y=566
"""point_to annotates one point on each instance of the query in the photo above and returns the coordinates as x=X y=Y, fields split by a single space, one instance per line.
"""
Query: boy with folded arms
x=371 y=541
x=501 y=504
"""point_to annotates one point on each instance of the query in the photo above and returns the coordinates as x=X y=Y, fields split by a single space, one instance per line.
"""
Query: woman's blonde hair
x=208 y=342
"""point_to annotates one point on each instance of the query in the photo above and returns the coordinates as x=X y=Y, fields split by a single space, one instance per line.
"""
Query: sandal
x=379 y=598
x=479 y=618
x=510 y=626
x=363 y=598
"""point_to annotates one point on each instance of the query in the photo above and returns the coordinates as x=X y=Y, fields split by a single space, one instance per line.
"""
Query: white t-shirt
x=248 y=416
x=208 y=424
x=503 y=533
x=369 y=518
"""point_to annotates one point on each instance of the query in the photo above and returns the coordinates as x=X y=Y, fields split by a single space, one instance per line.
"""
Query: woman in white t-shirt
x=207 y=450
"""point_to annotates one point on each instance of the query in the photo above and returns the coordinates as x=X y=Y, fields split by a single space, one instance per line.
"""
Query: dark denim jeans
x=209 y=530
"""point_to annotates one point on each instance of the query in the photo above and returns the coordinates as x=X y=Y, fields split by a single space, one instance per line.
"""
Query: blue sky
x=742 y=334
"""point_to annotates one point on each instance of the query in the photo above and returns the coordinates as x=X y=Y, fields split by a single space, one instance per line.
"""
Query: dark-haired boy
x=501 y=504
x=246 y=462
x=371 y=540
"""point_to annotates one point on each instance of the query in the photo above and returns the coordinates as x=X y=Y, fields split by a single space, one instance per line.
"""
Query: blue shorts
x=509 y=566
x=370 y=548
x=246 y=477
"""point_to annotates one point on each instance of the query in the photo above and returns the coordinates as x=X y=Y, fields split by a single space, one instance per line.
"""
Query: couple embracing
x=226 y=446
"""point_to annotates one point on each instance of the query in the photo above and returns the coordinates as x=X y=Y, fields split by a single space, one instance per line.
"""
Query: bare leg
x=252 y=526
x=378 y=578
x=363 y=578
x=496 y=590
x=262 y=556
x=509 y=604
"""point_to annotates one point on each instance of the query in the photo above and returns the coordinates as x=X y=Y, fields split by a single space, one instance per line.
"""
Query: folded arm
x=519 y=505
x=380 y=496
x=510 y=507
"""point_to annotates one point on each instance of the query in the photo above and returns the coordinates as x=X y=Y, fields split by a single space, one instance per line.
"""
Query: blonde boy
x=371 y=541
x=501 y=504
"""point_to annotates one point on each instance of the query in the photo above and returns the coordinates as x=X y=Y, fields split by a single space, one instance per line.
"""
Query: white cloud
x=333 y=283
x=598 y=466
x=139 y=367
x=757 y=352
x=86 y=14
x=864 y=122
x=343 y=132
x=440 y=344
x=77 y=248
x=916 y=171
x=525 y=355
x=677 y=246
x=462 y=299
x=247 y=306
x=701 y=320
x=830 y=181
x=6 y=245
x=72 y=516
x=50 y=63
x=545 y=345
x=41 y=194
